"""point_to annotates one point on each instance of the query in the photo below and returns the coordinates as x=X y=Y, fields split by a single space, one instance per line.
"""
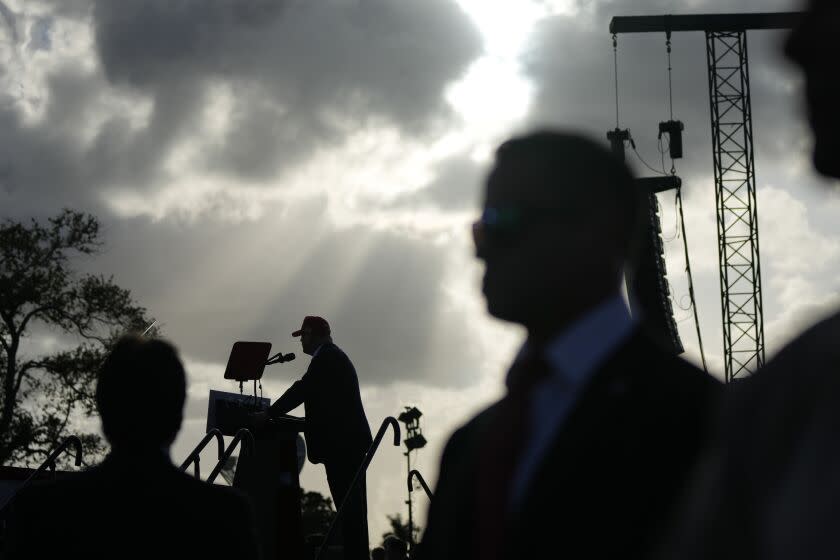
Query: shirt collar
x=315 y=353
x=578 y=350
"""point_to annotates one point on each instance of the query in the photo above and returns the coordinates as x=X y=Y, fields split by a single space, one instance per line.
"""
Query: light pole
x=414 y=440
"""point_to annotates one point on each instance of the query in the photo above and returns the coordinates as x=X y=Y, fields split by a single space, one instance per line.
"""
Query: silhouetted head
x=813 y=47
x=314 y=332
x=378 y=553
x=395 y=548
x=140 y=394
x=559 y=215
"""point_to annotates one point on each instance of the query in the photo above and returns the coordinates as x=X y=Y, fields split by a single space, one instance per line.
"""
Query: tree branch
x=10 y=326
x=22 y=373
x=66 y=418
x=30 y=315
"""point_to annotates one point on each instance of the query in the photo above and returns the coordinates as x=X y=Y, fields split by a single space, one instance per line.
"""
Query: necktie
x=499 y=453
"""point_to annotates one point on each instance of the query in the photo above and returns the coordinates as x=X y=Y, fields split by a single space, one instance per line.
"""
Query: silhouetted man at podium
x=136 y=504
x=337 y=431
x=590 y=447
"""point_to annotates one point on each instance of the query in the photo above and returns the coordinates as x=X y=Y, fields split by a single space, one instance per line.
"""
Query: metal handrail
x=243 y=435
x=49 y=463
x=195 y=456
x=388 y=421
x=416 y=474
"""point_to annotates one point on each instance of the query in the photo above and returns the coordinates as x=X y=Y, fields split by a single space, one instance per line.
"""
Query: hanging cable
x=684 y=319
x=662 y=157
x=670 y=86
x=684 y=306
x=690 y=280
x=676 y=225
x=670 y=96
x=615 y=67
x=674 y=301
x=657 y=171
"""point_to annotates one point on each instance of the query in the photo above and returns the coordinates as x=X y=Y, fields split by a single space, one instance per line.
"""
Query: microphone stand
x=278 y=358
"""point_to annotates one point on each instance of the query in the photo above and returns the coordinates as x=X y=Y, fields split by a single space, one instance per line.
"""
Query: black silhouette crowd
x=604 y=446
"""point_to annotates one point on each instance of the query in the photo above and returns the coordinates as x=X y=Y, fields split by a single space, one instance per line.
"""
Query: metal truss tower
x=737 y=209
x=734 y=169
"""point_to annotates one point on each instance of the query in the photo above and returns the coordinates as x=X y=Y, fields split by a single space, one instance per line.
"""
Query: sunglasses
x=498 y=227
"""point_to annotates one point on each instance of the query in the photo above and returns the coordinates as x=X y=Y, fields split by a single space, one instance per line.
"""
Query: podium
x=268 y=475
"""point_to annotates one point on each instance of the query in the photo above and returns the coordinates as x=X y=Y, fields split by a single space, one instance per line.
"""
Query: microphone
x=280 y=358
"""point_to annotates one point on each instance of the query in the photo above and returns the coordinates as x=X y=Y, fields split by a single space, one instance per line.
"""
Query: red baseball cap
x=315 y=325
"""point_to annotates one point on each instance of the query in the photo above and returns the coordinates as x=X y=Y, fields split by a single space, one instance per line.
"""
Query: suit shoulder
x=331 y=350
x=815 y=348
x=56 y=490
x=667 y=382
x=468 y=432
x=670 y=368
x=798 y=377
x=822 y=334
x=797 y=370
x=32 y=502
x=687 y=372
x=331 y=354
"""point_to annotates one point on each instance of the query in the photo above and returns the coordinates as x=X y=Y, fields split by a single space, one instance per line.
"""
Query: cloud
x=9 y=22
x=246 y=91
x=301 y=74
x=40 y=34
x=455 y=187
x=458 y=184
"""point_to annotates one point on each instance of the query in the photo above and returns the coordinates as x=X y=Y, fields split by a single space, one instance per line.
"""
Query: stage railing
x=416 y=474
x=244 y=438
x=49 y=463
x=389 y=421
x=195 y=456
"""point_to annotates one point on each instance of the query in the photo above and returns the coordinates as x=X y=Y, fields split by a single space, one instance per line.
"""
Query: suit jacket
x=769 y=486
x=611 y=478
x=336 y=429
x=131 y=507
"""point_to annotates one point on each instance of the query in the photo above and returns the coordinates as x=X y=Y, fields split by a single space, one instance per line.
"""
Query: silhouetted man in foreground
x=136 y=504
x=588 y=450
x=337 y=431
x=770 y=487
